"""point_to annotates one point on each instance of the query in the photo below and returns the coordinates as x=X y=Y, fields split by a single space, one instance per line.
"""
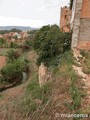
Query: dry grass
x=86 y=62
x=30 y=102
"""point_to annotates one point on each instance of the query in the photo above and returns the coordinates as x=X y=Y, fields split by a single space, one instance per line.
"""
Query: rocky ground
x=85 y=77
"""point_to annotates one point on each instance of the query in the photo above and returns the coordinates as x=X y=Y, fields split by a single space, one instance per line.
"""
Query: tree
x=40 y=37
x=4 y=31
x=15 y=30
x=50 y=42
x=32 y=32
x=67 y=41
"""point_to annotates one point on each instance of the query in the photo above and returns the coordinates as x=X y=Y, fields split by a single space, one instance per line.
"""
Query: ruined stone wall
x=81 y=27
x=84 y=33
x=85 y=13
x=65 y=19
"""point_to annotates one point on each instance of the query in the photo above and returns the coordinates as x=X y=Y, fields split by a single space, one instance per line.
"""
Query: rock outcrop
x=44 y=74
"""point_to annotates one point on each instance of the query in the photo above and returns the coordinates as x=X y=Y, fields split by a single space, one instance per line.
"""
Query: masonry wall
x=85 y=13
x=84 y=32
x=65 y=19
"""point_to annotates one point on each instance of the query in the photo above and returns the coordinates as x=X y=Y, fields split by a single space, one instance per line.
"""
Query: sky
x=33 y=13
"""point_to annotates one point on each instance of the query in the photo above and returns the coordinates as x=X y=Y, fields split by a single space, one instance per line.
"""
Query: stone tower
x=65 y=19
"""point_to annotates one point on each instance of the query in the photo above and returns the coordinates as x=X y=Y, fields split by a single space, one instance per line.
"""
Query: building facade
x=80 y=24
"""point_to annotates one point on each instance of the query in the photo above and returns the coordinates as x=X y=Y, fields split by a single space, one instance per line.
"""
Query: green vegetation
x=68 y=84
x=15 y=30
x=8 y=31
x=33 y=96
x=13 y=71
x=86 y=62
x=14 y=45
x=50 y=43
x=32 y=33
x=66 y=71
x=27 y=46
x=13 y=54
x=29 y=43
x=38 y=93
x=62 y=93
x=2 y=42
x=31 y=103
x=75 y=92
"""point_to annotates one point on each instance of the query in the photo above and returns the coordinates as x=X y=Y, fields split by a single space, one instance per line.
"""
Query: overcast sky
x=34 y=13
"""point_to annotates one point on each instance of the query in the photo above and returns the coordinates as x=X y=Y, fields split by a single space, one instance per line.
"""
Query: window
x=65 y=16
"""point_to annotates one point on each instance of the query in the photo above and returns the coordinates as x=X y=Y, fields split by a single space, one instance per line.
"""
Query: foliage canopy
x=50 y=43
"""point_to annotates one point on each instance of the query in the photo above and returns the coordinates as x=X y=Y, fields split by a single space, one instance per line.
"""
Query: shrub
x=2 y=42
x=13 y=45
x=10 y=54
x=13 y=54
x=25 y=47
x=41 y=93
x=12 y=72
x=49 y=43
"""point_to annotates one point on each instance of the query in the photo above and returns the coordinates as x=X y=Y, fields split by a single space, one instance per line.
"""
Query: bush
x=49 y=43
x=12 y=72
x=2 y=42
x=13 y=45
x=10 y=54
x=28 y=42
x=25 y=47
x=41 y=93
x=13 y=54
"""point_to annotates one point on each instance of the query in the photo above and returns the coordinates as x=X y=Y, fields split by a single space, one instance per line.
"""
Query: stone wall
x=81 y=27
x=65 y=19
x=85 y=13
x=84 y=45
x=84 y=34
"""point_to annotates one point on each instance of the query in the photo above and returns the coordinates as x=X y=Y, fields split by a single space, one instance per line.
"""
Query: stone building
x=65 y=19
x=80 y=24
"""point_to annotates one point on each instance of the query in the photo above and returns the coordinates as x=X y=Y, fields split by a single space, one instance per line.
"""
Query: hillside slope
x=63 y=94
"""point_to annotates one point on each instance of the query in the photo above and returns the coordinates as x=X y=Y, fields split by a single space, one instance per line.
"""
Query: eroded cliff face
x=44 y=74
